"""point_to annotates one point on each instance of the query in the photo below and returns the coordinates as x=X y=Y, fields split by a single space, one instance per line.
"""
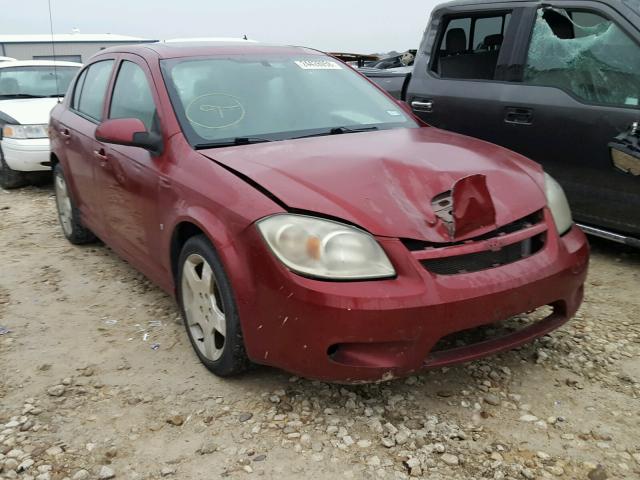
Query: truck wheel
x=68 y=213
x=10 y=178
x=209 y=309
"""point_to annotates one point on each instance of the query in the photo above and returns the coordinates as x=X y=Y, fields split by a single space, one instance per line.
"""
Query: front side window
x=585 y=54
x=94 y=89
x=132 y=96
x=273 y=97
x=35 y=81
x=469 y=47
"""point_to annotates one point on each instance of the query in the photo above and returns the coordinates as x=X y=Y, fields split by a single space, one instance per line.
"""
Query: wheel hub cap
x=203 y=307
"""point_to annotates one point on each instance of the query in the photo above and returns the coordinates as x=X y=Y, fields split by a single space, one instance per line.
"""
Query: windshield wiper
x=232 y=142
x=339 y=131
x=21 y=95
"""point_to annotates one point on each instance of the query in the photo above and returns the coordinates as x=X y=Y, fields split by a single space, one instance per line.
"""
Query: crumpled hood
x=28 y=111
x=385 y=181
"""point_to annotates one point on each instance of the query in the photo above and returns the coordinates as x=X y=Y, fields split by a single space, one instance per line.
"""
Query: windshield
x=274 y=98
x=40 y=81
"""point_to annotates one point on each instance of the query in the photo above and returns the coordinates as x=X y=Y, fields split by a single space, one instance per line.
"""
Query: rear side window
x=469 y=46
x=94 y=89
x=586 y=55
x=132 y=96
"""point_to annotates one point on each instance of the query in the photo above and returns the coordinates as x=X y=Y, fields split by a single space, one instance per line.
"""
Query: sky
x=332 y=25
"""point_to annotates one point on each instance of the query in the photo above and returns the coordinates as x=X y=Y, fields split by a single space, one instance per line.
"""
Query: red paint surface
x=382 y=181
x=472 y=207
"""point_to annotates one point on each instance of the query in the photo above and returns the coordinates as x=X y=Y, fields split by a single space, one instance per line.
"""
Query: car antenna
x=53 y=50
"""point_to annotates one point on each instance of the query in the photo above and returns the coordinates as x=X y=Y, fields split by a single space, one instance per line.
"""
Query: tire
x=209 y=310
x=9 y=178
x=68 y=214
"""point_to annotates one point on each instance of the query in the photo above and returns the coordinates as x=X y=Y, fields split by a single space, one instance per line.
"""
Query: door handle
x=426 y=106
x=100 y=155
x=65 y=133
x=518 y=116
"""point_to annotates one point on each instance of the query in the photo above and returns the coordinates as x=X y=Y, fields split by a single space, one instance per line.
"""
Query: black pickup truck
x=557 y=81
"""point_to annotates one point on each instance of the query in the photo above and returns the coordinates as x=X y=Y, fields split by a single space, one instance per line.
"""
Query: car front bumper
x=26 y=155
x=368 y=331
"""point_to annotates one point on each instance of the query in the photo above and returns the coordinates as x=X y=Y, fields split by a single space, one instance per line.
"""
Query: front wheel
x=10 y=178
x=68 y=213
x=209 y=309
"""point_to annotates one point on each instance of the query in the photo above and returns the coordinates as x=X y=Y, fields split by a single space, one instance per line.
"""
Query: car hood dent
x=28 y=111
x=385 y=181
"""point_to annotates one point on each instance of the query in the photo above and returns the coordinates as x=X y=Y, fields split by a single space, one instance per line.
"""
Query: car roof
x=38 y=63
x=189 y=48
x=461 y=3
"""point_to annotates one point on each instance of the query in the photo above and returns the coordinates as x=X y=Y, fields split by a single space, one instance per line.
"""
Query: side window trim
x=79 y=83
x=84 y=73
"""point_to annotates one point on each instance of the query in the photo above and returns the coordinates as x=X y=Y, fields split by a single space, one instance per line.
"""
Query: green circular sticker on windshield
x=215 y=110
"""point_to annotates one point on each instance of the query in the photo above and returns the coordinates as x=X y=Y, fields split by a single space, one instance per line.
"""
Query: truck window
x=586 y=55
x=469 y=47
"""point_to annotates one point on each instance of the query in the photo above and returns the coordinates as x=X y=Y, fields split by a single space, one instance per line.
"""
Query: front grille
x=521 y=224
x=475 y=262
x=437 y=259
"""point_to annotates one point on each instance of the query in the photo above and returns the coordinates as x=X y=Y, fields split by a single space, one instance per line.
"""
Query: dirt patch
x=97 y=378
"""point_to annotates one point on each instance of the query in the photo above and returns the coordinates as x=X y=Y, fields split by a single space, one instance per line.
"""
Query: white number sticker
x=318 y=65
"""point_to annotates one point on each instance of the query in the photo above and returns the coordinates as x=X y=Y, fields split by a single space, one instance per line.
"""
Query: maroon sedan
x=302 y=217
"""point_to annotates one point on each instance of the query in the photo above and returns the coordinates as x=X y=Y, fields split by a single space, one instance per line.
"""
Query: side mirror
x=130 y=132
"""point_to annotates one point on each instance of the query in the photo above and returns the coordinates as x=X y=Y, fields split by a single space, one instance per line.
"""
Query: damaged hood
x=386 y=181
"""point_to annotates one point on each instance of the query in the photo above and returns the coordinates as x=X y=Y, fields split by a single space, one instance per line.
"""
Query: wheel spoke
x=193 y=281
x=210 y=346
x=219 y=321
x=207 y=279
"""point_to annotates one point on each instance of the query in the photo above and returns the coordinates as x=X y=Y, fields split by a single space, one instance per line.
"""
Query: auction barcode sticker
x=318 y=65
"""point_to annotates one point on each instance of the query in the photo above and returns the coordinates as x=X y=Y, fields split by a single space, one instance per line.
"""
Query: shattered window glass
x=585 y=54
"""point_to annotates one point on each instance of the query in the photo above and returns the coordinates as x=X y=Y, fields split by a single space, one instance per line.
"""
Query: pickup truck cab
x=557 y=81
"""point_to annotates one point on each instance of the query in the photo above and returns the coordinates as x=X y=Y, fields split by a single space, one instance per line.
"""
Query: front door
x=581 y=85
x=128 y=177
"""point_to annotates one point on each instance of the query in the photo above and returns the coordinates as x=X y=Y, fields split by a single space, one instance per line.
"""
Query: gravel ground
x=98 y=380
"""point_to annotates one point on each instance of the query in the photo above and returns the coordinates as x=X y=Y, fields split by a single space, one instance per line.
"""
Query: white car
x=28 y=92
x=7 y=59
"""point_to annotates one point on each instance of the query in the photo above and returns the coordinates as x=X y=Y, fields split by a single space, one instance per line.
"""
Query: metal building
x=73 y=47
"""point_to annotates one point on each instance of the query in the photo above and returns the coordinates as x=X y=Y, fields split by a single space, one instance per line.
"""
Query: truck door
x=566 y=84
x=458 y=74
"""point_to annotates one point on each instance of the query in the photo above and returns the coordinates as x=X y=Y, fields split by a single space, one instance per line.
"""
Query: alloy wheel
x=63 y=202
x=203 y=307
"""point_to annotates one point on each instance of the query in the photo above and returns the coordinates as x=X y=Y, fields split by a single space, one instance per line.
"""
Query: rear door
x=77 y=127
x=460 y=72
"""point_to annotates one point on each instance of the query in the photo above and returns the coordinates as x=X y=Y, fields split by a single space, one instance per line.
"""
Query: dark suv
x=558 y=81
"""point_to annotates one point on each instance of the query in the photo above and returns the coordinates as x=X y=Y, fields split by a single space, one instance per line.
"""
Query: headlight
x=558 y=204
x=325 y=249
x=25 y=131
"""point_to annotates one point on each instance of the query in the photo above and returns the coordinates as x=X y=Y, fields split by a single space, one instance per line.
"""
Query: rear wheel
x=68 y=213
x=10 y=178
x=209 y=309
